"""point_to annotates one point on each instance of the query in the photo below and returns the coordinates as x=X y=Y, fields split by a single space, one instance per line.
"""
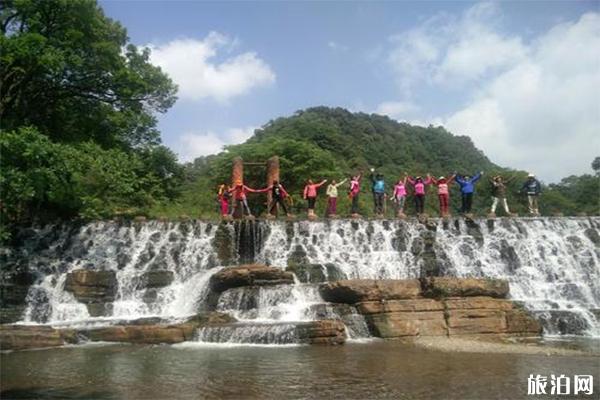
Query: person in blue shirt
x=378 y=191
x=467 y=188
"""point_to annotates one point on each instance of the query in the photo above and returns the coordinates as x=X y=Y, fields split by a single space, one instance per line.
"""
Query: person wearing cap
x=467 y=188
x=443 y=192
x=378 y=188
x=240 y=199
x=310 y=195
x=353 y=193
x=332 y=195
x=532 y=187
x=499 y=193
x=419 y=185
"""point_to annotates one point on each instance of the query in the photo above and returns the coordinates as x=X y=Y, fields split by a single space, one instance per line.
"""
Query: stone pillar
x=238 y=170
x=272 y=175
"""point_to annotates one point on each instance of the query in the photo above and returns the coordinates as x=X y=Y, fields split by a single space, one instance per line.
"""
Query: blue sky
x=521 y=78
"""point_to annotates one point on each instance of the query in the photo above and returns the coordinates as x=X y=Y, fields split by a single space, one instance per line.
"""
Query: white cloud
x=400 y=110
x=448 y=50
x=335 y=46
x=542 y=114
x=192 y=64
x=193 y=144
x=532 y=104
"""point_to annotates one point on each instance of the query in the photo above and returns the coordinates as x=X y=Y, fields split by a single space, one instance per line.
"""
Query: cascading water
x=183 y=249
x=552 y=264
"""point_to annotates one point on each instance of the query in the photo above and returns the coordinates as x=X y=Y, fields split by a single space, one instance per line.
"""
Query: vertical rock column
x=272 y=175
x=237 y=174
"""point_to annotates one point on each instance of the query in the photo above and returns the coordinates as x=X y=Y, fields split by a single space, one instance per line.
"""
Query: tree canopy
x=71 y=72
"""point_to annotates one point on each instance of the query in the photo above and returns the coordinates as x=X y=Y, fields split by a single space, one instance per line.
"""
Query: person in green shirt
x=332 y=194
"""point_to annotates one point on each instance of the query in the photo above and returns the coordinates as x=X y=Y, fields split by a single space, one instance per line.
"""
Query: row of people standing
x=237 y=194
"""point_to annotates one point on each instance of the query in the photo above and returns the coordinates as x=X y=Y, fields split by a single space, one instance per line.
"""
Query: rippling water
x=355 y=371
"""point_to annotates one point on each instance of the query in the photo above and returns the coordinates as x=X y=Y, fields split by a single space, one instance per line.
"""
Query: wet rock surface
x=249 y=275
x=142 y=331
x=96 y=289
x=357 y=290
x=454 y=287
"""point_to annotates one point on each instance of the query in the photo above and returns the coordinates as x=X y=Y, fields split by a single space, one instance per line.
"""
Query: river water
x=373 y=370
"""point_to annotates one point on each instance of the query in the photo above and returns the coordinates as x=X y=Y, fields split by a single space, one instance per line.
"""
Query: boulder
x=464 y=287
x=22 y=337
x=156 y=279
x=308 y=273
x=400 y=324
x=92 y=286
x=329 y=331
x=360 y=290
x=249 y=275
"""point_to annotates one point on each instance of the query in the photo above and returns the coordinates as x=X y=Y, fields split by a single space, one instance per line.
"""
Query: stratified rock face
x=97 y=289
x=457 y=287
x=358 y=290
x=249 y=275
x=21 y=337
x=13 y=294
x=328 y=331
x=92 y=286
x=433 y=307
x=143 y=331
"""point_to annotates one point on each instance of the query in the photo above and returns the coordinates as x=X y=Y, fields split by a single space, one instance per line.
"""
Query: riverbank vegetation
x=79 y=138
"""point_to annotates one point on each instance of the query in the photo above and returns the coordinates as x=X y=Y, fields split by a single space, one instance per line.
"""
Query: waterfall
x=552 y=265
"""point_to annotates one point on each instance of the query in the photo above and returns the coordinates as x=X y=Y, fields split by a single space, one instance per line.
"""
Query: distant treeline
x=78 y=134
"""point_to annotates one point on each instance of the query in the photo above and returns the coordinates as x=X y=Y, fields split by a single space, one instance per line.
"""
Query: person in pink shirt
x=399 y=195
x=240 y=199
x=310 y=195
x=443 y=192
x=419 y=186
x=353 y=193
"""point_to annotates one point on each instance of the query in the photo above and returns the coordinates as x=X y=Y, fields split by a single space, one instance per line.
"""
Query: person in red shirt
x=310 y=195
x=240 y=199
x=443 y=186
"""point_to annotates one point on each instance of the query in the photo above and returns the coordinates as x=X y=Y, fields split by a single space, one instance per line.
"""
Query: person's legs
x=273 y=208
x=234 y=206
x=355 y=204
x=535 y=205
x=224 y=207
x=245 y=202
x=469 y=201
x=530 y=201
x=379 y=203
x=330 y=206
x=495 y=204
x=463 y=203
x=505 y=204
x=420 y=203
x=282 y=203
x=401 y=201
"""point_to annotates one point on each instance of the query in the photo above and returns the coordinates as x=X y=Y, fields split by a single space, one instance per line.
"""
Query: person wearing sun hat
x=499 y=193
x=532 y=187
x=443 y=192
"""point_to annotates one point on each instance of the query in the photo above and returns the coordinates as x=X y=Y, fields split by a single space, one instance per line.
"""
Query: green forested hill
x=333 y=143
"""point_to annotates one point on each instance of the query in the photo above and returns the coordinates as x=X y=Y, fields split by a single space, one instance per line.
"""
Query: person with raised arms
x=399 y=196
x=310 y=195
x=332 y=195
x=419 y=185
x=239 y=191
x=467 y=188
x=443 y=186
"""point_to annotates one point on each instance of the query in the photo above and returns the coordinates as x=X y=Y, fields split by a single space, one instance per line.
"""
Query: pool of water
x=374 y=370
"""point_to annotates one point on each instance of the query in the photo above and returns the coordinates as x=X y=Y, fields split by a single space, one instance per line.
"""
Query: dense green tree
x=68 y=70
